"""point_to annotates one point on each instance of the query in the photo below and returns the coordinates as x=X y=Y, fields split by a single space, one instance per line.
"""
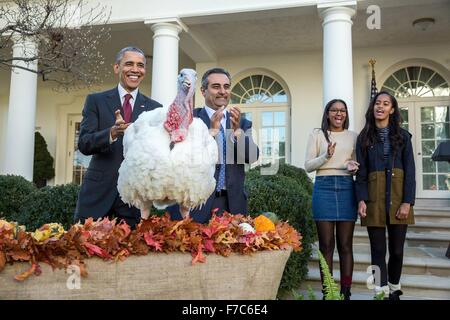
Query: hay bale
x=156 y=276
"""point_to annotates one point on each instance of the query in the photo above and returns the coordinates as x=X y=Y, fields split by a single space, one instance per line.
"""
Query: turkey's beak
x=186 y=84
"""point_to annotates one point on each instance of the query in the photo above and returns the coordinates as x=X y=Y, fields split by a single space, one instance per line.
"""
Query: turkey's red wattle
x=177 y=123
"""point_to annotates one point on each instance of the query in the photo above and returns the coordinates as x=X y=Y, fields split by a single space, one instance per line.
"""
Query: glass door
x=77 y=163
x=432 y=126
x=270 y=130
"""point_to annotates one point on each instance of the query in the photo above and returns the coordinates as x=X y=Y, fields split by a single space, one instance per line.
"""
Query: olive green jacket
x=385 y=185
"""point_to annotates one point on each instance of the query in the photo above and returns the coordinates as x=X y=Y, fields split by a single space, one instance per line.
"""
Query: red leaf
x=209 y=245
x=198 y=257
x=148 y=236
x=93 y=249
x=209 y=231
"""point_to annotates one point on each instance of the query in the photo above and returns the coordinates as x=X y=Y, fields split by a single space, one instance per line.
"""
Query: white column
x=19 y=151
x=337 y=56
x=165 y=62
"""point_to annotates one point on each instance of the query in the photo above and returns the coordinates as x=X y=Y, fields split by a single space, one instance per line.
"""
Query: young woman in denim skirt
x=331 y=153
x=386 y=187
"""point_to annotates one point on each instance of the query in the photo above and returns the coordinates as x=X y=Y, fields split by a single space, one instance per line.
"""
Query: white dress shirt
x=123 y=93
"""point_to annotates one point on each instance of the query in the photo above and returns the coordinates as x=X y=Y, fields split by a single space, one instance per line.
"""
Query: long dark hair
x=326 y=121
x=369 y=136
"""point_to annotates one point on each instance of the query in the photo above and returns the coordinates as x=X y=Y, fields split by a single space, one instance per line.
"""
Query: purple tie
x=127 y=108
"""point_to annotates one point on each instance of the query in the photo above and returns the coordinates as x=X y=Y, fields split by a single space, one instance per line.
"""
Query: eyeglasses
x=335 y=111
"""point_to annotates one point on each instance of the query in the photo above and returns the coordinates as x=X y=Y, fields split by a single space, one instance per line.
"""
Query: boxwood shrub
x=13 y=191
x=288 y=194
x=49 y=204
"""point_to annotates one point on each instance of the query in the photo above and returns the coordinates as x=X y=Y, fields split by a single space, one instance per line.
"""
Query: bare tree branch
x=68 y=34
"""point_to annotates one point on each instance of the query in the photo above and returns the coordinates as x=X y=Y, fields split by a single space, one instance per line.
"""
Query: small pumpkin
x=263 y=223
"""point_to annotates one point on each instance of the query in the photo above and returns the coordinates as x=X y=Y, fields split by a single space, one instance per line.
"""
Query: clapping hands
x=331 y=148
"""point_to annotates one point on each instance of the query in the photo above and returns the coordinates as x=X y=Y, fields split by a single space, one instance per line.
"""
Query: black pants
x=377 y=235
x=220 y=203
x=122 y=211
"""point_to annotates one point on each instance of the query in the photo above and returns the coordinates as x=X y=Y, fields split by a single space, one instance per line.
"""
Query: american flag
x=373 y=83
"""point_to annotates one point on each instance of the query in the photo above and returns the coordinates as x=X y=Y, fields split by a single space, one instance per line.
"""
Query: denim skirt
x=334 y=199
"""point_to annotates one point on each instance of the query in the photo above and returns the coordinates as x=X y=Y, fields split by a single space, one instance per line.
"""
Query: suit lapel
x=202 y=114
x=139 y=106
x=113 y=101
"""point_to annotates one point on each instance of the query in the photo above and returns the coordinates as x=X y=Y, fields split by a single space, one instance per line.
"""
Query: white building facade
x=287 y=58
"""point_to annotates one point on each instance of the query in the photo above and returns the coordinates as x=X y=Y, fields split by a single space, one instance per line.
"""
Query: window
x=80 y=161
x=264 y=101
x=76 y=163
x=416 y=81
x=258 y=89
x=435 y=128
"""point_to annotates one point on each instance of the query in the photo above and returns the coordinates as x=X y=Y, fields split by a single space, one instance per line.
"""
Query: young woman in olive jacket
x=385 y=188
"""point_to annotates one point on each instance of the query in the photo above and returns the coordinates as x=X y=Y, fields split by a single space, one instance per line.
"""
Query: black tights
x=377 y=236
x=344 y=238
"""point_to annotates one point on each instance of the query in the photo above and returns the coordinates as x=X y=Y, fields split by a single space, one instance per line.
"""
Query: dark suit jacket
x=244 y=151
x=99 y=188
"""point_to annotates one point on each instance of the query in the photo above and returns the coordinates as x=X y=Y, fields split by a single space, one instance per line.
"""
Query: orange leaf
x=26 y=274
x=198 y=257
x=125 y=230
x=122 y=254
x=2 y=260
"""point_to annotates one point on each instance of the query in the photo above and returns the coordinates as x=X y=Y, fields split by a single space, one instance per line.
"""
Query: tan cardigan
x=316 y=153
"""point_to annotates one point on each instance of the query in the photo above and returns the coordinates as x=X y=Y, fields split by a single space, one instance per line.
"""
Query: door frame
x=72 y=119
x=414 y=126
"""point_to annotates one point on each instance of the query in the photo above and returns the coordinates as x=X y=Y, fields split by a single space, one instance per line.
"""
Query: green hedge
x=49 y=204
x=13 y=191
x=288 y=194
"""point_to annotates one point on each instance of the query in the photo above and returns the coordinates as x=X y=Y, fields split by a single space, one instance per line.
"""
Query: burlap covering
x=156 y=276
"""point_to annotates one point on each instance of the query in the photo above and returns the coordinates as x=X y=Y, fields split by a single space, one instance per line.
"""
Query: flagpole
x=373 y=83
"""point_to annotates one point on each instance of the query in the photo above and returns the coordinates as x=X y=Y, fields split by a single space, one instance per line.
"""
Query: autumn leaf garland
x=115 y=241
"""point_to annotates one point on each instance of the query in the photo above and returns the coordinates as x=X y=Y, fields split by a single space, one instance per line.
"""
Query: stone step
x=416 y=261
x=436 y=215
x=413 y=239
x=420 y=286
x=432 y=203
x=357 y=294
x=421 y=226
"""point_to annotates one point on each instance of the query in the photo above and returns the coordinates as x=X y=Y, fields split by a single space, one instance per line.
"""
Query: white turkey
x=169 y=156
